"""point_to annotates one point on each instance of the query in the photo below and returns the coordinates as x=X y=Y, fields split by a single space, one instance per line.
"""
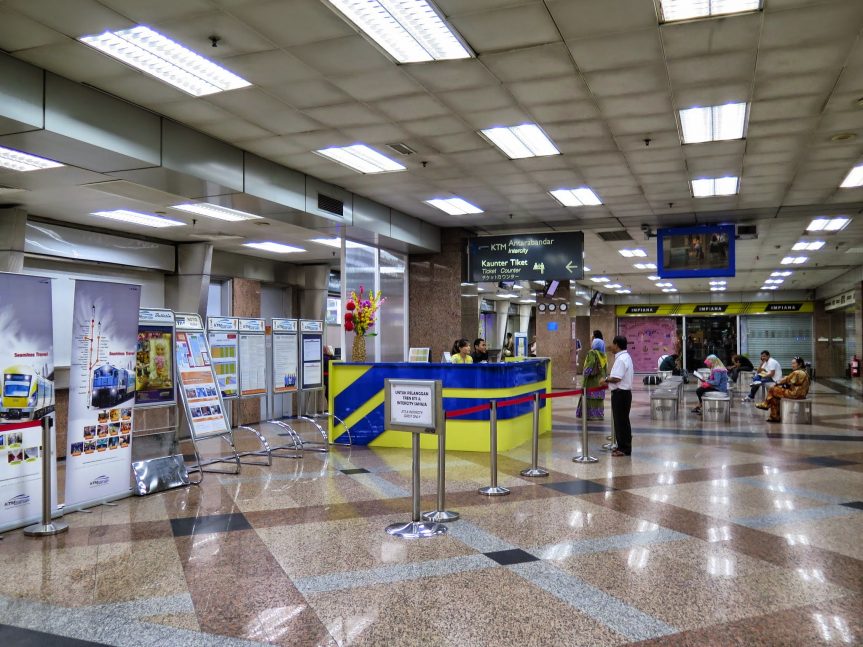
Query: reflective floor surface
x=709 y=534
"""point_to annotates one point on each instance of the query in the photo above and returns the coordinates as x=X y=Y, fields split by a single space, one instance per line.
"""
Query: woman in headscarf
x=795 y=386
x=595 y=368
x=716 y=381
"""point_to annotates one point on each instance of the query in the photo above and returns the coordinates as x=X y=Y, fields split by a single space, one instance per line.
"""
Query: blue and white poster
x=101 y=392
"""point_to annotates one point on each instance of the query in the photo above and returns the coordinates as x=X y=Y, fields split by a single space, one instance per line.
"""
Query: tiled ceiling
x=603 y=77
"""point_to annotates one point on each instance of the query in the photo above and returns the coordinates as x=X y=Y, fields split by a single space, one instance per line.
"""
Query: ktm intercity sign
x=526 y=257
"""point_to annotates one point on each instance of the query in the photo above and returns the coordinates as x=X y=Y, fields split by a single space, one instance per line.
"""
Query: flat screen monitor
x=692 y=252
x=551 y=288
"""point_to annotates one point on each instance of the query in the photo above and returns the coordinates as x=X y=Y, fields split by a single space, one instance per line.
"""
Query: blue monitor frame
x=667 y=273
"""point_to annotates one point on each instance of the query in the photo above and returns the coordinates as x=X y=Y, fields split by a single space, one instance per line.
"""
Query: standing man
x=480 y=351
x=620 y=383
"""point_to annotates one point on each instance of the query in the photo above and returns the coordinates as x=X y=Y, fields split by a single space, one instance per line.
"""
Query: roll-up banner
x=311 y=354
x=253 y=358
x=101 y=392
x=205 y=409
x=26 y=396
x=222 y=333
x=285 y=358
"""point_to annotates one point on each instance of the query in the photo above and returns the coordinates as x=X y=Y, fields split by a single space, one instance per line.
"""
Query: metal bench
x=716 y=407
x=796 y=411
x=664 y=404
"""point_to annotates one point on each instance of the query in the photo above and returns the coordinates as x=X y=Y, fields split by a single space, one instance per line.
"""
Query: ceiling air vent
x=401 y=149
x=747 y=232
x=614 y=236
x=331 y=205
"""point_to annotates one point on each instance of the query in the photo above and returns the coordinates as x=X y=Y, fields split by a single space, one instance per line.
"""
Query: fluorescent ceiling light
x=771 y=281
x=630 y=253
x=18 y=161
x=624 y=291
x=854 y=178
x=168 y=61
x=803 y=246
x=710 y=187
x=769 y=287
x=587 y=269
x=361 y=158
x=713 y=123
x=673 y=10
x=454 y=206
x=794 y=260
x=669 y=289
x=276 y=248
x=518 y=142
x=645 y=266
x=718 y=282
x=582 y=197
x=785 y=273
x=480 y=289
x=411 y=31
x=336 y=243
x=719 y=289
x=136 y=218
x=600 y=279
x=828 y=224
x=216 y=211
x=664 y=285
x=653 y=277
x=613 y=286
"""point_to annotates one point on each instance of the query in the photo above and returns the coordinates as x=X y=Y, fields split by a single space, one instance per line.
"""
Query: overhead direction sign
x=527 y=257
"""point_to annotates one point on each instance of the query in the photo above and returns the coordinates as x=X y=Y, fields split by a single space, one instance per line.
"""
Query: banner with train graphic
x=101 y=392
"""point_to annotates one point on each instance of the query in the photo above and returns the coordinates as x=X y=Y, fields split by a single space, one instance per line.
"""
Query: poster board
x=520 y=341
x=223 y=336
x=418 y=355
x=155 y=369
x=285 y=355
x=413 y=405
x=26 y=396
x=101 y=392
x=199 y=389
x=311 y=354
x=253 y=357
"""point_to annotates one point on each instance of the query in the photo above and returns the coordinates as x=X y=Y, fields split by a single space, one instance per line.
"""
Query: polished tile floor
x=710 y=534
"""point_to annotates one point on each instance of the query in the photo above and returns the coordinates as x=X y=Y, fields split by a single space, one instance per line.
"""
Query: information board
x=527 y=257
x=285 y=355
x=223 y=335
x=198 y=386
x=413 y=405
x=154 y=361
x=253 y=357
x=312 y=353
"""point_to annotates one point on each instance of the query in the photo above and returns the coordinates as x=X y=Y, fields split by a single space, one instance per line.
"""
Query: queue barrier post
x=585 y=456
x=612 y=444
x=48 y=526
x=534 y=470
x=493 y=489
x=441 y=514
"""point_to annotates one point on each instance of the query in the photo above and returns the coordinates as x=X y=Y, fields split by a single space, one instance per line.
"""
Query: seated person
x=768 y=371
x=716 y=381
x=480 y=351
x=795 y=386
x=739 y=363
x=461 y=352
x=668 y=363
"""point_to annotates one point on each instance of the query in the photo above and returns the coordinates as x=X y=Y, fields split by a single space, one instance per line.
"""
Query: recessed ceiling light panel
x=137 y=218
x=454 y=206
x=632 y=253
x=794 y=260
x=276 y=248
x=828 y=225
x=711 y=187
x=810 y=246
x=582 y=197
x=713 y=123
x=519 y=142
x=361 y=158
x=215 y=211
x=674 y=10
x=18 y=161
x=854 y=178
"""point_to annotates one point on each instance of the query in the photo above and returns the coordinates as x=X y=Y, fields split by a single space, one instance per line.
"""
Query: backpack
x=652 y=380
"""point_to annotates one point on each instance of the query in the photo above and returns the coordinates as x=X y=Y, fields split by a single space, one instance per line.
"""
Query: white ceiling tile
x=645 y=126
x=702 y=37
x=250 y=101
x=714 y=149
x=272 y=67
x=606 y=170
x=377 y=85
x=346 y=114
x=192 y=111
x=587 y=18
x=140 y=88
x=636 y=80
x=793 y=85
x=379 y=134
x=790 y=108
x=285 y=121
x=567 y=112
x=584 y=145
x=775 y=144
x=490 y=97
x=297 y=22
x=155 y=11
x=649 y=155
x=530 y=63
x=491 y=118
x=802 y=60
x=841 y=121
x=506 y=28
x=564 y=88
x=417 y=106
x=675 y=165
x=782 y=127
x=71 y=18
x=435 y=126
x=235 y=37
x=818 y=24
x=575 y=129
x=318 y=139
x=457 y=142
x=272 y=146
x=441 y=76
x=21 y=32
x=635 y=105
x=457 y=7
x=657 y=140
x=715 y=94
x=715 y=166
x=714 y=68
x=340 y=56
x=308 y=94
x=233 y=130
x=616 y=51
x=76 y=61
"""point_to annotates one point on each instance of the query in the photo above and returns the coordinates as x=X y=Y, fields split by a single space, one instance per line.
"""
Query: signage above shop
x=526 y=257
x=685 y=309
x=840 y=301
x=641 y=310
x=711 y=308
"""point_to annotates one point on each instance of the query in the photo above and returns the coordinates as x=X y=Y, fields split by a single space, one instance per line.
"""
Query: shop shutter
x=785 y=336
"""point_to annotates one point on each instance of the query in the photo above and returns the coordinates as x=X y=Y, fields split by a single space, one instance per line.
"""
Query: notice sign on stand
x=312 y=353
x=198 y=386
x=253 y=358
x=223 y=336
x=285 y=357
x=26 y=396
x=101 y=391
x=413 y=405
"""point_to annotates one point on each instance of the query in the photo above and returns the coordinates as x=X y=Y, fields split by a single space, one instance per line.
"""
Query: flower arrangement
x=361 y=310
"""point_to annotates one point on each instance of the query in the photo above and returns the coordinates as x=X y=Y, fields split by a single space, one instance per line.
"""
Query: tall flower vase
x=358 y=352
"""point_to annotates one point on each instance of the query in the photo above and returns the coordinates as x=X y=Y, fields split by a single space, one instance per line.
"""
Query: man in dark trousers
x=620 y=383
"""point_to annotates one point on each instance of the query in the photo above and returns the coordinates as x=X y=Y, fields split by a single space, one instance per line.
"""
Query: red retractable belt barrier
x=456 y=413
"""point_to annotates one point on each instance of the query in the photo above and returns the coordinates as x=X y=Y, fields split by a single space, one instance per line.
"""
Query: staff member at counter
x=480 y=351
x=461 y=352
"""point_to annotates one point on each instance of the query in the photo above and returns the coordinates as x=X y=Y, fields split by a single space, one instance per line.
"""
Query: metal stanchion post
x=441 y=514
x=48 y=526
x=585 y=457
x=612 y=445
x=415 y=528
x=493 y=489
x=534 y=470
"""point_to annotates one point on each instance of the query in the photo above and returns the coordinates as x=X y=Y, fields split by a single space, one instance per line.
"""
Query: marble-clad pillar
x=246 y=300
x=554 y=336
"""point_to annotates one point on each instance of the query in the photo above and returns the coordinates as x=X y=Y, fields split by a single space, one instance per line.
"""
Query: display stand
x=155 y=388
x=202 y=398
x=285 y=368
x=253 y=379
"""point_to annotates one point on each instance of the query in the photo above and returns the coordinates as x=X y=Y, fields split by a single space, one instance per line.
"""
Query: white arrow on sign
x=569 y=267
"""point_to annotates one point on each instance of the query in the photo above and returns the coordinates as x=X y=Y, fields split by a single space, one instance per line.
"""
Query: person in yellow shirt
x=461 y=352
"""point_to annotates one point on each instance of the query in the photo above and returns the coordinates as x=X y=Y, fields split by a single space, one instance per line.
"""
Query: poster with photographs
x=285 y=355
x=26 y=395
x=198 y=385
x=154 y=359
x=222 y=333
x=101 y=391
